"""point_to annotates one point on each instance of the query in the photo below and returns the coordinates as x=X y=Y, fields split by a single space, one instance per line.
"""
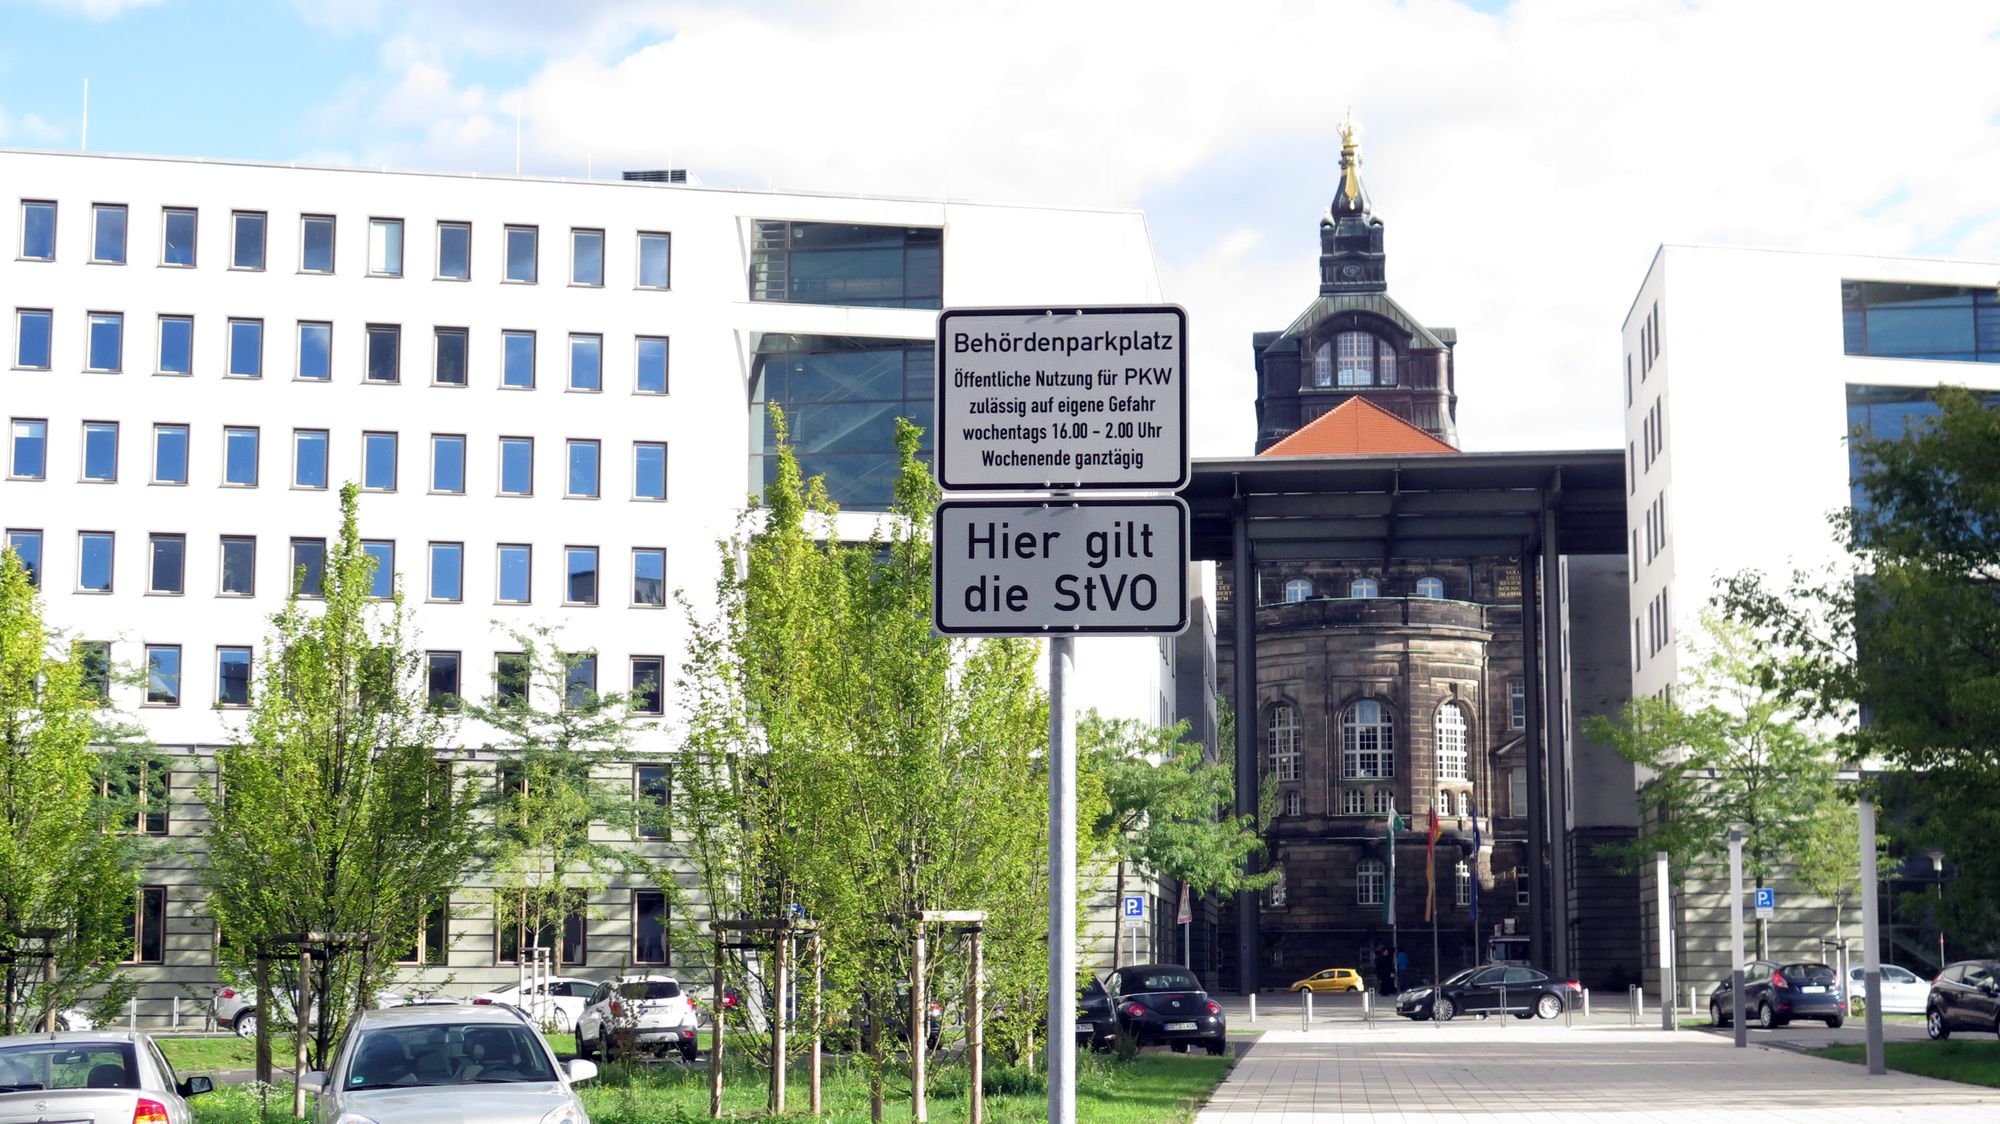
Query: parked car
x=1491 y=989
x=92 y=1075
x=555 y=1003
x=1096 y=1026
x=1165 y=1004
x=236 y=1008
x=1332 y=979
x=1903 y=991
x=1965 y=996
x=1774 y=994
x=484 y=1063
x=649 y=1012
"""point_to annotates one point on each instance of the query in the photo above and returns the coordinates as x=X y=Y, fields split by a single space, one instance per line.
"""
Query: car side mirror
x=315 y=1081
x=196 y=1086
x=580 y=1070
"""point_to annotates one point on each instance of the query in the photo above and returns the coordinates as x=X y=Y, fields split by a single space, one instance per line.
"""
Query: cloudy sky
x=1528 y=156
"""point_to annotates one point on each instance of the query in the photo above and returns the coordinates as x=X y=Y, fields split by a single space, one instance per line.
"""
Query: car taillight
x=149 y=1112
x=1133 y=1010
x=617 y=1010
x=228 y=993
x=1778 y=980
x=1573 y=985
x=482 y=1001
x=937 y=1008
x=1214 y=1008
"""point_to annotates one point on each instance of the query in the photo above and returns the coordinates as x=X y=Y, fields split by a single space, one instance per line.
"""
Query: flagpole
x=1430 y=906
x=1474 y=890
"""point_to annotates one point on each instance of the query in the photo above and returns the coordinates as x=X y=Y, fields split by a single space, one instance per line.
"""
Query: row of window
x=236 y=568
x=382 y=351
x=1354 y=359
x=180 y=228
x=1301 y=589
x=1905 y=320
x=380 y=457
x=1356 y=801
x=1368 y=738
x=1659 y=628
x=1656 y=530
x=1370 y=882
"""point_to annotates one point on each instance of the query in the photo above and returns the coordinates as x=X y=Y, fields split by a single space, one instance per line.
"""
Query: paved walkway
x=1467 y=1072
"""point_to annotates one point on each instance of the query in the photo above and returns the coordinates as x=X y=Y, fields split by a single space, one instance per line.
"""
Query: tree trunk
x=1118 y=920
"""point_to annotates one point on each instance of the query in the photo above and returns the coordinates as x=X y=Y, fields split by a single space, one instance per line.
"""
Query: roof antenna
x=83 y=142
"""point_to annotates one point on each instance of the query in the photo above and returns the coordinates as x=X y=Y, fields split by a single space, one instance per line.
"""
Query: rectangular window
x=385 y=247
x=580 y=564
x=586 y=257
x=30 y=449
x=106 y=342
x=246 y=238
x=93 y=658
x=655 y=260
x=842 y=396
x=176 y=345
x=382 y=579
x=95 y=553
x=580 y=680
x=170 y=454
x=1517 y=791
x=649 y=374
x=649 y=470
x=107 y=233
x=315 y=350
x=239 y=456
x=649 y=785
x=100 y=452
x=649 y=576
x=847 y=263
x=309 y=567
x=448 y=463
x=378 y=462
x=246 y=349
x=385 y=353
x=27 y=546
x=316 y=244
x=510 y=678
x=586 y=362
x=517 y=360
x=447 y=571
x=148 y=935
x=521 y=254
x=517 y=466
x=451 y=346
x=583 y=457
x=430 y=944
x=514 y=587
x=441 y=677
x=177 y=228
x=163 y=675
x=168 y=571
x=239 y=566
x=649 y=674
x=34 y=335
x=571 y=950
x=1517 y=705
x=309 y=458
x=649 y=927
x=38 y=230
x=454 y=260
x=232 y=677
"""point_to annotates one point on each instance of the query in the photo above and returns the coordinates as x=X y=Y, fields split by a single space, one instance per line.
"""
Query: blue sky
x=1527 y=156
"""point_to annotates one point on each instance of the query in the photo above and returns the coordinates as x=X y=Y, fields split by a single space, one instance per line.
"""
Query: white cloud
x=97 y=9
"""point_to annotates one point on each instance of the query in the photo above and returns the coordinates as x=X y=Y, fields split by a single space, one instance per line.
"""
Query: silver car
x=433 y=1065
x=92 y=1075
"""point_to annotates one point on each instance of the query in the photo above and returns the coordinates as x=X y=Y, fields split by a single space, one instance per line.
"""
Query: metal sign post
x=1871 y=937
x=1736 y=1023
x=1062 y=883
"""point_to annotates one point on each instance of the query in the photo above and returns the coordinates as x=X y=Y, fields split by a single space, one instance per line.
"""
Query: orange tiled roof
x=1357 y=426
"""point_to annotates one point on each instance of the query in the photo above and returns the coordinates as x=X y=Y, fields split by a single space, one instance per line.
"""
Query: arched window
x=1368 y=740
x=1323 y=365
x=1364 y=587
x=1298 y=589
x=1353 y=802
x=1294 y=803
x=1354 y=359
x=1430 y=587
x=1368 y=879
x=1274 y=896
x=1283 y=743
x=1385 y=364
x=1451 y=730
x=1382 y=802
x=1444 y=803
x=1463 y=876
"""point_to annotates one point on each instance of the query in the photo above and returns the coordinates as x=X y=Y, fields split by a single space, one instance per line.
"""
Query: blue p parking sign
x=1767 y=902
x=1135 y=905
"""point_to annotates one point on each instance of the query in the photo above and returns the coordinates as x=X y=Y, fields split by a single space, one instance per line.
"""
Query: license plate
x=1180 y=1026
x=1813 y=989
x=1085 y=1028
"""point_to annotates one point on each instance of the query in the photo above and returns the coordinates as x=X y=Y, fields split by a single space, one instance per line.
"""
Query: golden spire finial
x=1348 y=132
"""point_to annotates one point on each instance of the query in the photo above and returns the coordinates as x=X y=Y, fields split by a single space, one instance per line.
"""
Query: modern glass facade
x=845 y=263
x=1900 y=320
x=841 y=397
x=1878 y=413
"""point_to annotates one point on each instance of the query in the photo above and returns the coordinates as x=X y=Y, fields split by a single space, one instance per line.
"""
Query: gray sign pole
x=1062 y=882
x=1666 y=942
x=1736 y=1023
x=1871 y=935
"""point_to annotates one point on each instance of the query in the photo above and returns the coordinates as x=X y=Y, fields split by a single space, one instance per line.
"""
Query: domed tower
x=1350 y=236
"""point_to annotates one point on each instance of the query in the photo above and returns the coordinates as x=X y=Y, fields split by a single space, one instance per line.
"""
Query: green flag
x=1389 y=847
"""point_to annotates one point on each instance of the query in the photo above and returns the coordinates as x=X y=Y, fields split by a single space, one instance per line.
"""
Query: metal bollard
x=175 y=1018
x=1368 y=1007
x=1306 y=1012
x=1634 y=998
x=1569 y=1015
x=1694 y=1000
x=1504 y=1013
x=1253 y=1008
x=132 y=1014
x=1586 y=1002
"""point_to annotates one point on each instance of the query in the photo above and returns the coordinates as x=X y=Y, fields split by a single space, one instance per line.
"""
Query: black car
x=1164 y=1003
x=1965 y=996
x=1096 y=1026
x=1775 y=994
x=1492 y=989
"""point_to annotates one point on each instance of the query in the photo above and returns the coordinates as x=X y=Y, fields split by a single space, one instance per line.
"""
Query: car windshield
x=1164 y=979
x=1091 y=989
x=1809 y=973
x=68 y=1065
x=447 y=1053
x=650 y=989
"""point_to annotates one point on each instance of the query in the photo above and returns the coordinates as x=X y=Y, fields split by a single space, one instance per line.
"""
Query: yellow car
x=1333 y=979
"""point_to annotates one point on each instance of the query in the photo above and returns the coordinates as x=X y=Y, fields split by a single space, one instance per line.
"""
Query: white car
x=555 y=1004
x=1903 y=991
x=236 y=1008
x=425 y=1063
x=649 y=1012
x=92 y=1075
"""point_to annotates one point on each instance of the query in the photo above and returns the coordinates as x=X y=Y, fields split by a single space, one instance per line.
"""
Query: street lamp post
x=1937 y=910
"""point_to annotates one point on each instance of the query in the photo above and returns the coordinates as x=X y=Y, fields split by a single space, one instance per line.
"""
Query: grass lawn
x=202 y=1055
x=1972 y=1062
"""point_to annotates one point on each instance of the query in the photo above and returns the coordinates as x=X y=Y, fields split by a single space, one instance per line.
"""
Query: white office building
x=552 y=393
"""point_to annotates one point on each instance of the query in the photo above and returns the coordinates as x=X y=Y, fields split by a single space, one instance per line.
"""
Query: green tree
x=332 y=813
x=68 y=862
x=1167 y=809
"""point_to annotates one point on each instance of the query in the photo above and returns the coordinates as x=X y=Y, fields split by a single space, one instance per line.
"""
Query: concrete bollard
x=1253 y=1008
